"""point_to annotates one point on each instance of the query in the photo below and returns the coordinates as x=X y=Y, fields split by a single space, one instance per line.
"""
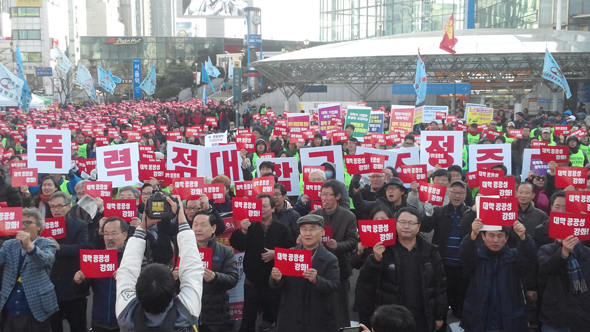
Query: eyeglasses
x=326 y=195
x=457 y=193
x=392 y=188
x=540 y=178
x=407 y=223
x=28 y=222
x=192 y=209
x=309 y=230
x=60 y=206
x=112 y=235
x=376 y=176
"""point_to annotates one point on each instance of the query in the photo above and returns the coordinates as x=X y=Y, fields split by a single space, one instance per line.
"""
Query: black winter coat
x=215 y=309
x=364 y=292
x=345 y=232
x=67 y=259
x=8 y=194
x=442 y=223
x=512 y=266
x=560 y=307
x=288 y=217
x=254 y=243
x=386 y=274
x=305 y=306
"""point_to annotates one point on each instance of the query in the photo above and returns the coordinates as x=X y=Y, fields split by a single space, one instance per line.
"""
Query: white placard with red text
x=188 y=159
x=118 y=164
x=224 y=159
x=49 y=150
x=287 y=170
x=484 y=156
x=320 y=155
x=444 y=148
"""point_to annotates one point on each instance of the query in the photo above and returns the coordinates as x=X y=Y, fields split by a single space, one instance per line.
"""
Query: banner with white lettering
x=444 y=148
x=287 y=170
x=49 y=150
x=118 y=164
x=395 y=157
x=320 y=155
x=188 y=159
x=487 y=155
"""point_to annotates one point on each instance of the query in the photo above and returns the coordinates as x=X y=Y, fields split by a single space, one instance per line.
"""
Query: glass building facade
x=342 y=20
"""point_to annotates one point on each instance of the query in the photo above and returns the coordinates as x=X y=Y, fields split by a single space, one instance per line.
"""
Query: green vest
x=585 y=148
x=508 y=140
x=82 y=150
x=577 y=159
x=472 y=140
x=465 y=159
x=4 y=142
x=64 y=187
x=263 y=111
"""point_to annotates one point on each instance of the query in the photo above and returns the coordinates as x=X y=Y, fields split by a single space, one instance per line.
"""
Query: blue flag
x=26 y=95
x=211 y=69
x=553 y=73
x=205 y=95
x=420 y=83
x=114 y=79
x=12 y=86
x=104 y=80
x=149 y=82
x=206 y=78
x=84 y=80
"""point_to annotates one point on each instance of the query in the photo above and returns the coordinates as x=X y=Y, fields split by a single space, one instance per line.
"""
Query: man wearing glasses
x=104 y=317
x=343 y=241
x=67 y=262
x=369 y=192
x=409 y=273
x=448 y=233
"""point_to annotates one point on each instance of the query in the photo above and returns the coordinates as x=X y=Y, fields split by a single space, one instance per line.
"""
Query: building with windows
x=575 y=14
x=342 y=20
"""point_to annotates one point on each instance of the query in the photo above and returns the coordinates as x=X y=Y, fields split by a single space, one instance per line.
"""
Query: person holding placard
x=258 y=240
x=28 y=296
x=306 y=303
x=566 y=264
x=448 y=232
x=392 y=194
x=494 y=299
x=218 y=278
x=104 y=290
x=418 y=280
x=577 y=157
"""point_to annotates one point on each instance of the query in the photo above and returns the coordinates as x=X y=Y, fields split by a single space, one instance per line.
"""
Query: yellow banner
x=479 y=115
x=29 y=3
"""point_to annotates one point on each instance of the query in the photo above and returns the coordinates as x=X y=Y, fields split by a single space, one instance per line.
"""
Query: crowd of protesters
x=444 y=262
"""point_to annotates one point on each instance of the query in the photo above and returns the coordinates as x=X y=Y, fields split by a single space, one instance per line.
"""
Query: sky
x=290 y=19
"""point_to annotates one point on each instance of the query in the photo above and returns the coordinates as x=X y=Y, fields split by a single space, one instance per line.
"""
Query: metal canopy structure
x=512 y=58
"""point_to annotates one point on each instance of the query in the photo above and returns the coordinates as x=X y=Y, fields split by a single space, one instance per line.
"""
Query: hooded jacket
x=345 y=199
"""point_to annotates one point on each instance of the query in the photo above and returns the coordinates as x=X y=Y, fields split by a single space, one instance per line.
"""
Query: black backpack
x=168 y=325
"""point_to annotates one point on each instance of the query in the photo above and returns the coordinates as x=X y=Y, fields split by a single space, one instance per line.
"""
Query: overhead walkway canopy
x=510 y=57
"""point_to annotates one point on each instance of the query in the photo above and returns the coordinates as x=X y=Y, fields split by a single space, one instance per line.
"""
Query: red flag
x=449 y=40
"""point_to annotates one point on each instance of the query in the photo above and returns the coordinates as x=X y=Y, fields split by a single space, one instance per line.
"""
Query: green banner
x=358 y=117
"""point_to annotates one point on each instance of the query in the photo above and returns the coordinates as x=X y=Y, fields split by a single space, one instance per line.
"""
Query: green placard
x=359 y=117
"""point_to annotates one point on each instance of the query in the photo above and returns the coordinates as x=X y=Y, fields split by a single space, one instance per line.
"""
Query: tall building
x=162 y=18
x=342 y=20
x=35 y=27
x=78 y=27
x=104 y=18
x=136 y=16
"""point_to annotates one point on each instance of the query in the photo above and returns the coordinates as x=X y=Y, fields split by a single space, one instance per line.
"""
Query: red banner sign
x=472 y=180
x=563 y=224
x=292 y=262
x=24 y=177
x=497 y=211
x=246 y=142
x=244 y=189
x=264 y=185
x=206 y=256
x=55 y=228
x=357 y=164
x=539 y=144
x=412 y=173
x=10 y=220
x=312 y=190
x=98 y=263
x=433 y=193
x=125 y=209
x=577 y=201
x=215 y=191
x=98 y=189
x=559 y=154
x=189 y=188
x=560 y=130
x=374 y=231
x=309 y=169
x=571 y=176
x=503 y=187
x=247 y=208
x=515 y=133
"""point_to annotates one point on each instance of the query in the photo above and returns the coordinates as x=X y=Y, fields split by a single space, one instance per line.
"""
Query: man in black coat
x=72 y=306
x=495 y=298
x=409 y=273
x=258 y=240
x=446 y=223
x=306 y=304
x=285 y=215
x=566 y=264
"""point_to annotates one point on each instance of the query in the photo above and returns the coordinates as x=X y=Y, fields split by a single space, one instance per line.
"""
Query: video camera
x=157 y=207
